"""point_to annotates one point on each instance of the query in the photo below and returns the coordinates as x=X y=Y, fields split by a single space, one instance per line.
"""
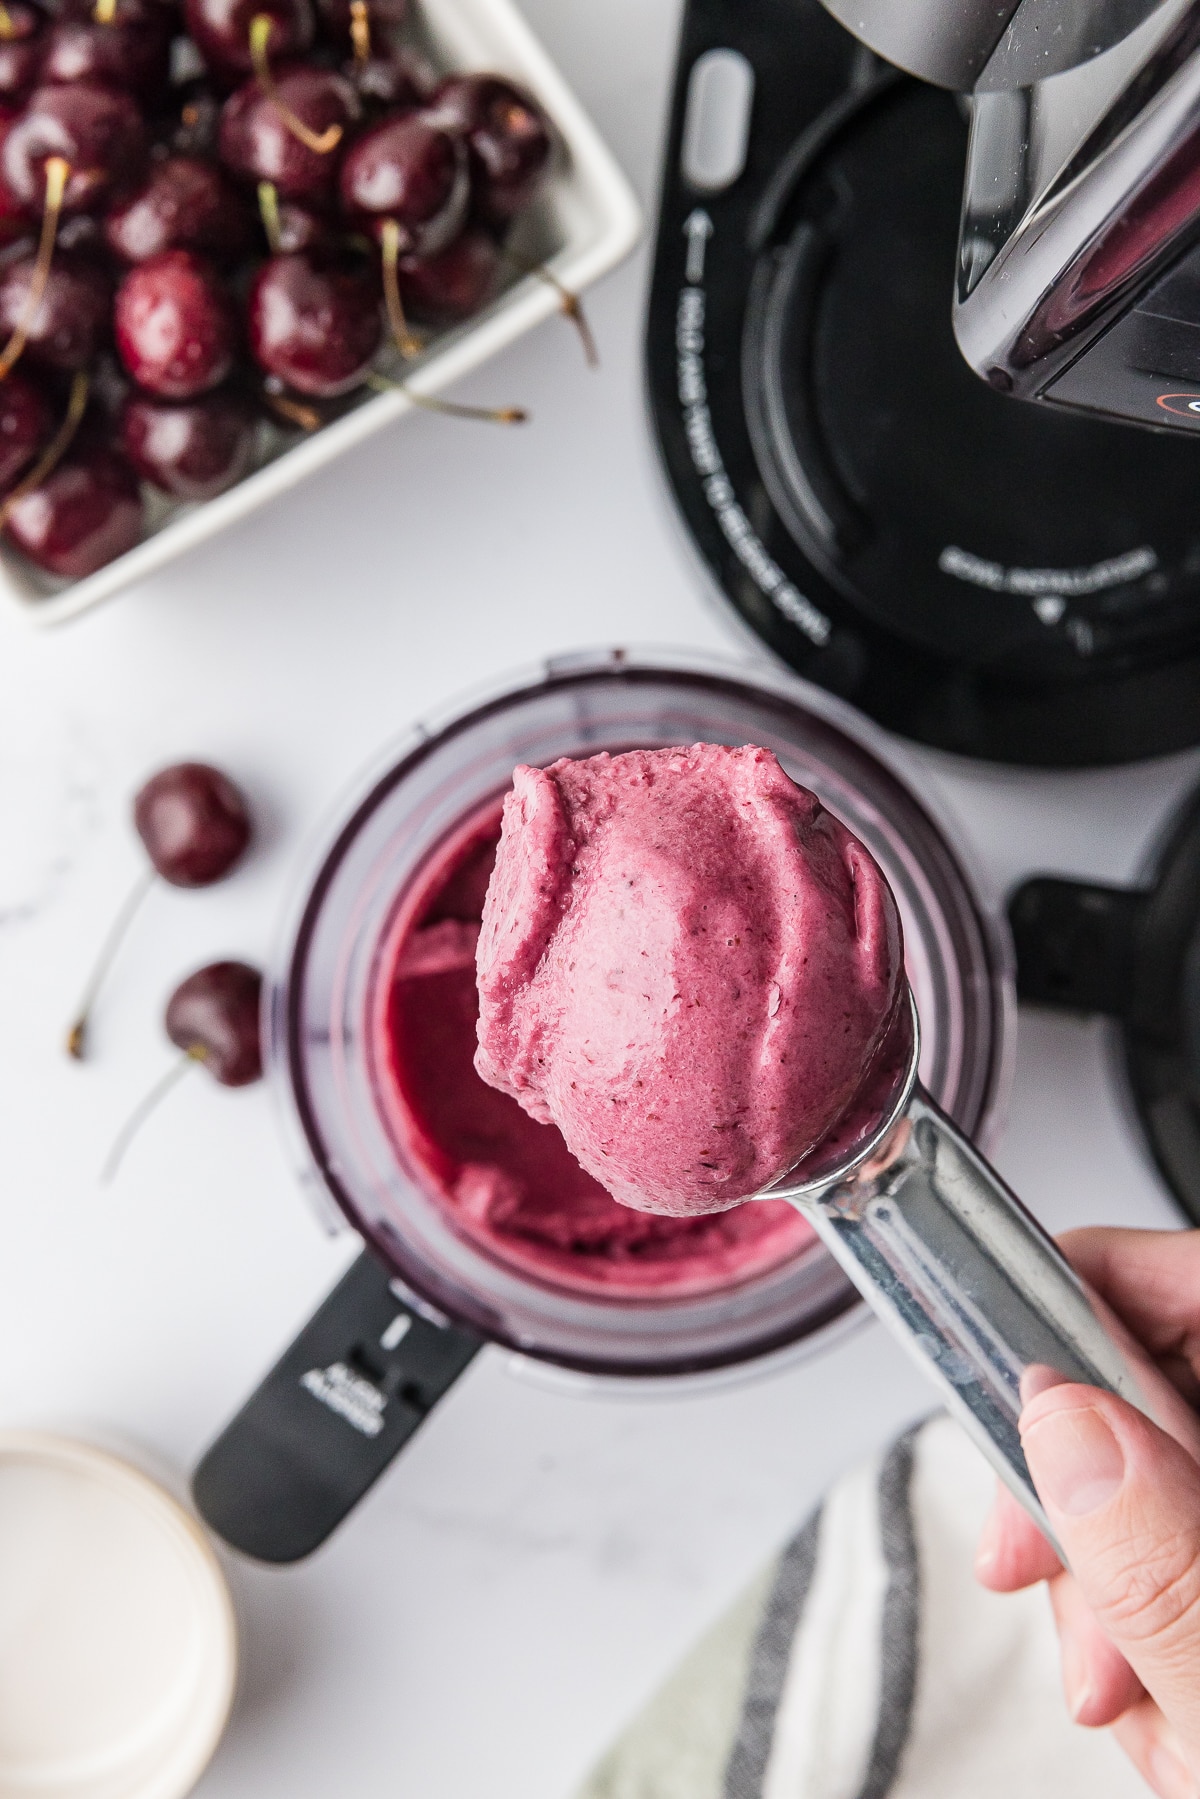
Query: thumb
x=1123 y=1498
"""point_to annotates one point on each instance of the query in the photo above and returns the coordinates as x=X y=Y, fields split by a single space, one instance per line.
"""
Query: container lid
x=117 y=1636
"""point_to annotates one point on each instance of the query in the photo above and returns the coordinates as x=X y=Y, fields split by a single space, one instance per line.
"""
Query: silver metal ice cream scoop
x=965 y=1277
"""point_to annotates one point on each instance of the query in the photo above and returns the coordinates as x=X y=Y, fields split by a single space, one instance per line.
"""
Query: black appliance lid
x=990 y=577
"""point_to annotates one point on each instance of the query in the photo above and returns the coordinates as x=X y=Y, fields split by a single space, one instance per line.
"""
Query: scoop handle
x=977 y=1291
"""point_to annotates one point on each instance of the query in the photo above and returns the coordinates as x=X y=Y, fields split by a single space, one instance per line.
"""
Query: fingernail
x=1075 y=1460
x=1170 y=1777
x=1076 y=1682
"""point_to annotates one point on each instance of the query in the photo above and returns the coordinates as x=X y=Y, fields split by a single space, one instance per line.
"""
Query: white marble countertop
x=536 y=1560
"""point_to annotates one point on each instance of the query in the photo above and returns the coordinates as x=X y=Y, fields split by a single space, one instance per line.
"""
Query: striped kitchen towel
x=866 y=1662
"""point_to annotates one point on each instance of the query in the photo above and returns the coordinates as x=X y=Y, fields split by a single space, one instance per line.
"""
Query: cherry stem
x=55 y=450
x=321 y=142
x=58 y=172
x=306 y=417
x=360 y=30
x=77 y=1035
x=7 y=28
x=149 y=1104
x=570 y=305
x=488 y=415
x=389 y=242
x=268 y=208
x=104 y=11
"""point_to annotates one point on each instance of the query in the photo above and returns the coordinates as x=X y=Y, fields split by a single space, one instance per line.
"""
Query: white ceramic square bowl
x=587 y=218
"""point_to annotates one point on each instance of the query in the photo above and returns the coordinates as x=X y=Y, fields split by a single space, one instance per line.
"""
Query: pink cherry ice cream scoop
x=687 y=965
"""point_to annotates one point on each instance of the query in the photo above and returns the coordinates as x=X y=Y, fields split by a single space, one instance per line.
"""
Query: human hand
x=1123 y=1499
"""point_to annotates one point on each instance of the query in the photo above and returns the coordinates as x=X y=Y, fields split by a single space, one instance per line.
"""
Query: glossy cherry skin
x=507 y=134
x=73 y=318
x=98 y=130
x=21 y=51
x=193 y=822
x=184 y=203
x=26 y=426
x=257 y=144
x=191 y=449
x=15 y=222
x=133 y=51
x=409 y=169
x=215 y=1015
x=220 y=30
x=303 y=228
x=86 y=512
x=456 y=283
x=176 y=328
x=389 y=80
x=313 y=323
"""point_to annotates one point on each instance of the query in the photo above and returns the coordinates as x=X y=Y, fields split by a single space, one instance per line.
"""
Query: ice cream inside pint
x=502 y=1181
x=687 y=966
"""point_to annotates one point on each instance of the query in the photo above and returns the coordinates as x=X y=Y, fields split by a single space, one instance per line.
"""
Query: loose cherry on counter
x=191 y=449
x=194 y=825
x=214 y=1017
x=184 y=203
x=87 y=511
x=22 y=43
x=507 y=134
x=26 y=426
x=220 y=30
x=314 y=323
x=118 y=43
x=96 y=131
x=70 y=319
x=259 y=141
x=175 y=326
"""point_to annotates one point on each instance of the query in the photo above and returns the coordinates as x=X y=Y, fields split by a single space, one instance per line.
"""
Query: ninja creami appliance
x=454 y=1189
x=924 y=357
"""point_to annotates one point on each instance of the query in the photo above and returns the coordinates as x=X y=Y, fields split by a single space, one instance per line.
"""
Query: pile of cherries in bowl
x=218 y=212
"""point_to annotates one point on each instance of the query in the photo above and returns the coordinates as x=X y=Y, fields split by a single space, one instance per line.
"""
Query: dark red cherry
x=220 y=30
x=175 y=326
x=132 y=50
x=302 y=228
x=258 y=144
x=389 y=80
x=313 y=323
x=454 y=284
x=22 y=44
x=98 y=131
x=15 y=222
x=215 y=1017
x=507 y=133
x=73 y=318
x=408 y=169
x=192 y=449
x=194 y=823
x=26 y=426
x=184 y=203
x=87 y=511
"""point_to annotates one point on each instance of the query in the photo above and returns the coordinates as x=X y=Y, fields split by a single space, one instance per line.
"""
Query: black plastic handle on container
x=361 y=1377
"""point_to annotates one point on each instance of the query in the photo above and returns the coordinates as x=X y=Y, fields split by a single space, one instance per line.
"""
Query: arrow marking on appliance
x=697 y=228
